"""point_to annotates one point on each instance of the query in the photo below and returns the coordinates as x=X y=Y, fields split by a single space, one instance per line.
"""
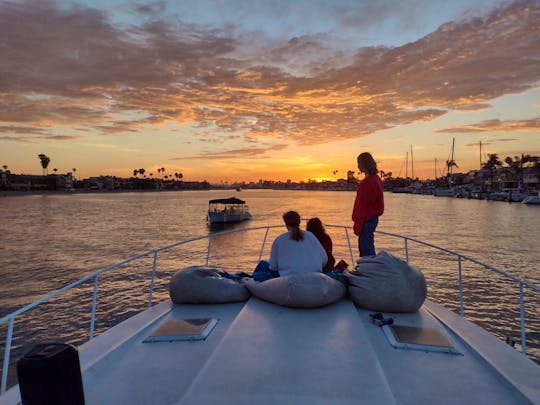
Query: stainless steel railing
x=10 y=318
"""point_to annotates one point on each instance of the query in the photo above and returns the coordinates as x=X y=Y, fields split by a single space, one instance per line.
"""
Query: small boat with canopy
x=224 y=210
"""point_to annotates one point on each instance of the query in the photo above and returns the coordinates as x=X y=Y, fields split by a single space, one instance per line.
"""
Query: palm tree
x=450 y=164
x=45 y=160
x=493 y=162
x=492 y=165
x=141 y=171
x=135 y=172
x=516 y=165
x=55 y=170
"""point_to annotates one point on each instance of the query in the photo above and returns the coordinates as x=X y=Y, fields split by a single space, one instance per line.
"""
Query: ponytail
x=292 y=220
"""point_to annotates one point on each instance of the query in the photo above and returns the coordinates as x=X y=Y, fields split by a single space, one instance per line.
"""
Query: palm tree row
x=517 y=164
x=161 y=170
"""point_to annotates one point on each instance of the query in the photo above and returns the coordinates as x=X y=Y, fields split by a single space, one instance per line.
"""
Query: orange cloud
x=80 y=69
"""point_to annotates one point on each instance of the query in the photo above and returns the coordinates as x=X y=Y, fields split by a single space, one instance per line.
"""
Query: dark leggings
x=262 y=272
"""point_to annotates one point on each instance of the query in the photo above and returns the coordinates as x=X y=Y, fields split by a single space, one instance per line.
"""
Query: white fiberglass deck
x=261 y=353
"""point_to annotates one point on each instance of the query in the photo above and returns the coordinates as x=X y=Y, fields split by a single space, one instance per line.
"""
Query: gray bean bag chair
x=304 y=290
x=204 y=285
x=385 y=283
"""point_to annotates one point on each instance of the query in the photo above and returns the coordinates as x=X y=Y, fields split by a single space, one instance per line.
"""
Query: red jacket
x=326 y=242
x=369 y=201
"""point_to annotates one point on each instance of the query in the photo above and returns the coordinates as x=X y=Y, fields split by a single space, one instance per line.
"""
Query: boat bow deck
x=274 y=355
x=265 y=354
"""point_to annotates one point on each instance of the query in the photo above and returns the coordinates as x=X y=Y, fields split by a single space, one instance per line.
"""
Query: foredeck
x=260 y=353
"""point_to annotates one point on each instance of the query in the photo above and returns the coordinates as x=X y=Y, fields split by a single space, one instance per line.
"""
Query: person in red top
x=368 y=205
x=315 y=226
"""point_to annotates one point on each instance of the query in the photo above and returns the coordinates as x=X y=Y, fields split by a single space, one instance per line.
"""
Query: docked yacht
x=258 y=352
x=444 y=192
x=532 y=200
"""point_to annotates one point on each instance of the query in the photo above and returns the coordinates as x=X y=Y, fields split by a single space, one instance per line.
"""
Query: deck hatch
x=415 y=338
x=173 y=330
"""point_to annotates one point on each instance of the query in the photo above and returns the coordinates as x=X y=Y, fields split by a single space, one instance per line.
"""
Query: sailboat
x=408 y=189
x=447 y=191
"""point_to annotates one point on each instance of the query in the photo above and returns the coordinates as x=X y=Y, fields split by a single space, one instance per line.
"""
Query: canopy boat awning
x=231 y=200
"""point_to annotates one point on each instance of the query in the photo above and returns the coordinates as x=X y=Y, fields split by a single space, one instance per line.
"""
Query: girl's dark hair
x=315 y=226
x=368 y=164
x=292 y=220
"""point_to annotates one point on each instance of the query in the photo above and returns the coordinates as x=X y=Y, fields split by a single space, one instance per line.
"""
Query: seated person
x=294 y=251
x=315 y=226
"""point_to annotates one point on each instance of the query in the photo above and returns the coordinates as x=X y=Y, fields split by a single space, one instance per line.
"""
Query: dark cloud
x=21 y=139
x=21 y=130
x=73 y=66
x=472 y=107
x=496 y=125
x=64 y=137
x=236 y=153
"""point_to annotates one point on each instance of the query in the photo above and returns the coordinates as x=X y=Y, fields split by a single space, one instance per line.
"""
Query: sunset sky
x=247 y=90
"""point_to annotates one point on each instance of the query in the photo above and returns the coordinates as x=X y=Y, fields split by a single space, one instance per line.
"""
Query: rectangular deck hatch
x=173 y=330
x=415 y=338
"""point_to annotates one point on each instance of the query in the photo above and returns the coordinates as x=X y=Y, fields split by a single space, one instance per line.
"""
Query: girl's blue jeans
x=366 y=239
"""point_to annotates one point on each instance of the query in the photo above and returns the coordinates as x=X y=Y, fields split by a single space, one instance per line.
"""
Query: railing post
x=151 y=293
x=461 y=305
x=522 y=319
x=7 y=352
x=208 y=252
x=350 y=248
x=94 y=300
x=263 y=243
x=406 y=250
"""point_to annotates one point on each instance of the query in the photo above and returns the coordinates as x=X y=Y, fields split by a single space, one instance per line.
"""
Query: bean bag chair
x=303 y=290
x=204 y=285
x=385 y=283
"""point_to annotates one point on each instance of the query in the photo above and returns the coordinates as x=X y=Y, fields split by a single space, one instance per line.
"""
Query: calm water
x=51 y=240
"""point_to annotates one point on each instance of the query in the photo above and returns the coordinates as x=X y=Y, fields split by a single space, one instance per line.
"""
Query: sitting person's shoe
x=341 y=266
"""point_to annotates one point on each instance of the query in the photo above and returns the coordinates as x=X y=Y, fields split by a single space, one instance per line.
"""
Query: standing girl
x=368 y=205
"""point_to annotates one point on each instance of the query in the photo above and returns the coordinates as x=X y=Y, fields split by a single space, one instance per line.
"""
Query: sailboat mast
x=452 y=158
x=451 y=163
x=480 y=154
x=412 y=165
x=406 y=165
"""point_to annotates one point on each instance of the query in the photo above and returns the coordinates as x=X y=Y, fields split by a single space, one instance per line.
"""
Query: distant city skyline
x=241 y=91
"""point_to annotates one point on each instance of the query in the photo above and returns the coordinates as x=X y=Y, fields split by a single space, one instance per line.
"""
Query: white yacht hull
x=532 y=200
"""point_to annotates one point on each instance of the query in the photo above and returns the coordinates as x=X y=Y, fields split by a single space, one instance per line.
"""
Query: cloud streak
x=75 y=67
x=495 y=125
x=236 y=153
